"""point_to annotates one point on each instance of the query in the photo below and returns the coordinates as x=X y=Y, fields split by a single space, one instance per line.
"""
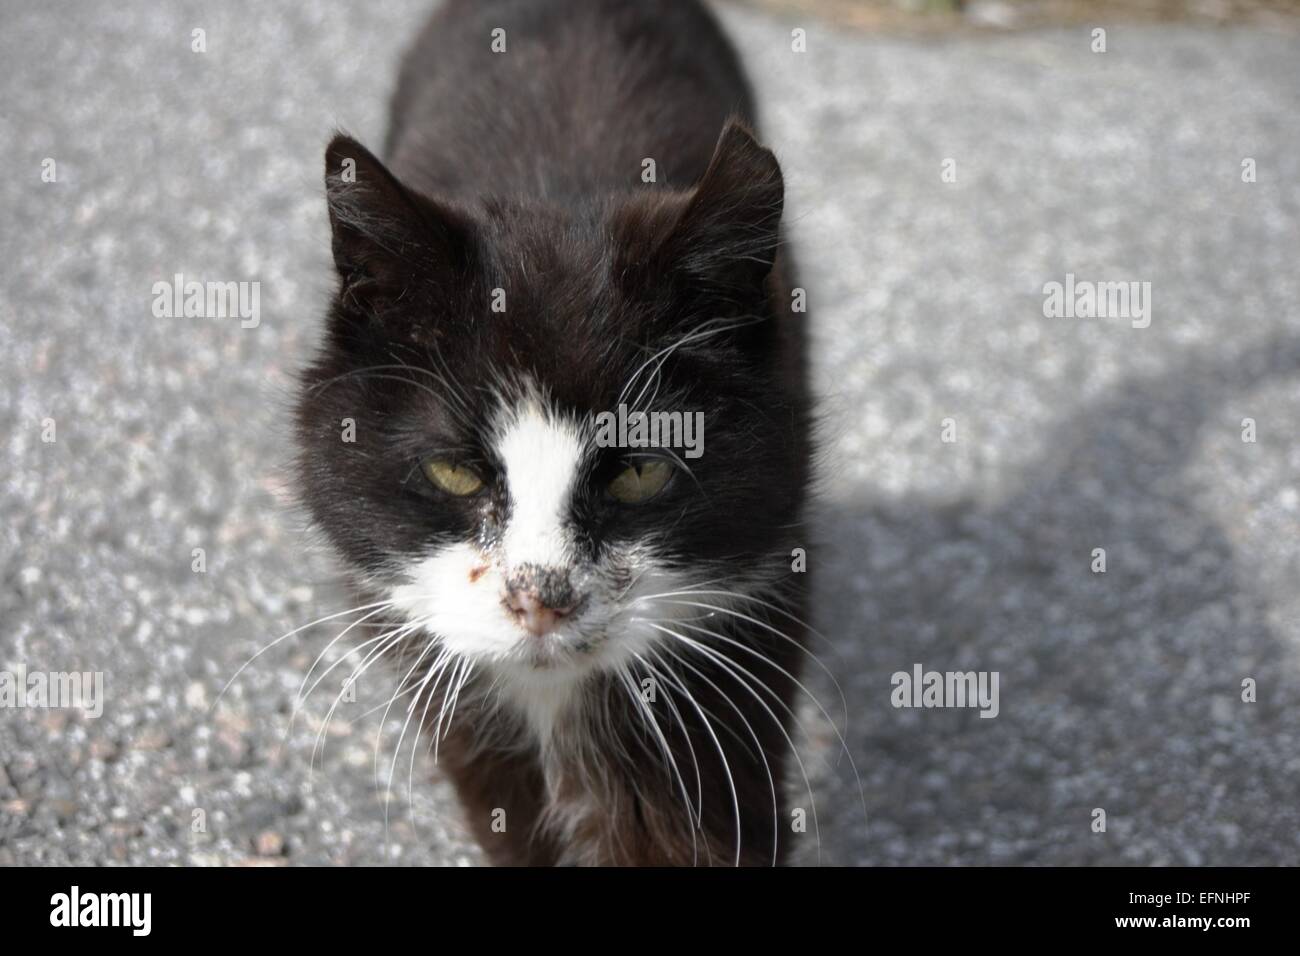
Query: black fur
x=521 y=171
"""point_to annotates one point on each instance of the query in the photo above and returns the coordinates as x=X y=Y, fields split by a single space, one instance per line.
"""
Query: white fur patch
x=456 y=591
x=543 y=456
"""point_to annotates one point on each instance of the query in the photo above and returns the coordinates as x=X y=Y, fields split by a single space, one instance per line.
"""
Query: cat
x=573 y=214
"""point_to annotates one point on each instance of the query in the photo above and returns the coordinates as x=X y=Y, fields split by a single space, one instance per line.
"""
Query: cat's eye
x=454 y=479
x=640 y=482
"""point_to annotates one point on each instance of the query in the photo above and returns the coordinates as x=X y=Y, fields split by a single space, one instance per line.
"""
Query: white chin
x=555 y=652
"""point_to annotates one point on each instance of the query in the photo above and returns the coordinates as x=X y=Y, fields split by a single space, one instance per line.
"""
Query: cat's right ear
x=390 y=243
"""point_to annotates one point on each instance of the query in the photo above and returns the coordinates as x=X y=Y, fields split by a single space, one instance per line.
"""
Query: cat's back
x=559 y=98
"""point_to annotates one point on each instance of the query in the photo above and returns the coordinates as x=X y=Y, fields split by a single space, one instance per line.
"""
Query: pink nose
x=532 y=614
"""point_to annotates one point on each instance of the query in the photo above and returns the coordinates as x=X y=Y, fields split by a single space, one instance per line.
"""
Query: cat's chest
x=557 y=721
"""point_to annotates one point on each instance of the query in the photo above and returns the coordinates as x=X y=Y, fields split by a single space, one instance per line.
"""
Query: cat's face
x=450 y=442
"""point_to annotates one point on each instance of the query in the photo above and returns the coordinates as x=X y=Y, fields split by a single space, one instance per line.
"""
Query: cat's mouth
x=570 y=643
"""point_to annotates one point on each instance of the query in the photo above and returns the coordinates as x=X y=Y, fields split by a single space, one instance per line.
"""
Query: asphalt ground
x=1119 y=691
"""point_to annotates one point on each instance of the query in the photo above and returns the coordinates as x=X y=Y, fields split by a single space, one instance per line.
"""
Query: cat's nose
x=539 y=598
x=532 y=614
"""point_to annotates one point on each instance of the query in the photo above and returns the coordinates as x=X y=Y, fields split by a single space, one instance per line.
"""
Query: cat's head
x=450 y=430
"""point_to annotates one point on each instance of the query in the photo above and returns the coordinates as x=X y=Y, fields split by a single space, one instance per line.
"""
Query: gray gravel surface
x=1119 y=691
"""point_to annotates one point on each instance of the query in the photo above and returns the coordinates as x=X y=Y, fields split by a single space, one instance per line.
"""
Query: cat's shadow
x=1119 y=691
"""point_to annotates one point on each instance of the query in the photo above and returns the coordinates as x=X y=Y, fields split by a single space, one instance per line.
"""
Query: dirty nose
x=539 y=598
x=532 y=614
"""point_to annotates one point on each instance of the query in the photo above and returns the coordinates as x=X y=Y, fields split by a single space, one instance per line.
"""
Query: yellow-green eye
x=452 y=479
x=640 y=482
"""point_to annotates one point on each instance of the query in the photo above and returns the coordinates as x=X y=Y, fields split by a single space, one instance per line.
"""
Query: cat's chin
x=546 y=668
x=562 y=656
x=553 y=654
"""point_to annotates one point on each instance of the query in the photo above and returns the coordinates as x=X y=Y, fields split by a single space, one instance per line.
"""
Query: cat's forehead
x=549 y=326
x=526 y=418
x=536 y=243
x=558 y=342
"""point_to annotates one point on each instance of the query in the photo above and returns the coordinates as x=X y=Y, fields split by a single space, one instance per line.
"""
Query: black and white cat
x=604 y=640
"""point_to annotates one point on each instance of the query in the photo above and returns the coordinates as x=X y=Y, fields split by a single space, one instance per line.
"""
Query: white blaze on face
x=456 y=591
x=543 y=457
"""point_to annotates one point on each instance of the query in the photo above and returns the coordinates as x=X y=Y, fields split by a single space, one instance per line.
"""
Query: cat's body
x=579 y=642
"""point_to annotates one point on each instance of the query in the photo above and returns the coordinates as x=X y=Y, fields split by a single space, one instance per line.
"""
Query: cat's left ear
x=727 y=237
